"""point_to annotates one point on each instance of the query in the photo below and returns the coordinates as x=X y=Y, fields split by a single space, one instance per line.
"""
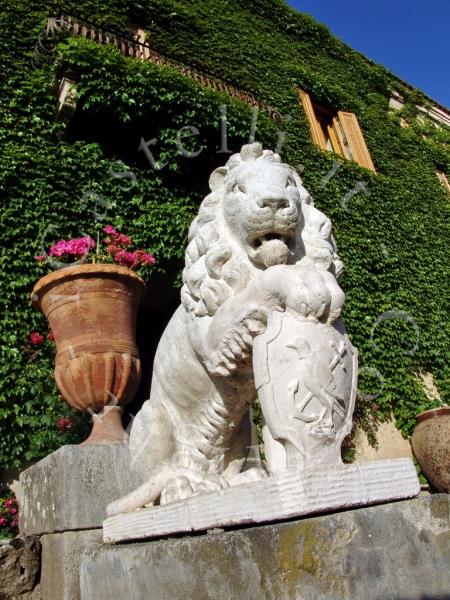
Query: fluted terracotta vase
x=431 y=446
x=92 y=310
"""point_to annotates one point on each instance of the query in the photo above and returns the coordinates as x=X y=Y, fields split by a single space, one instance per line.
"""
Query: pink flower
x=39 y=258
x=64 y=424
x=9 y=502
x=77 y=247
x=14 y=524
x=36 y=338
x=124 y=258
x=144 y=258
x=112 y=249
x=59 y=249
x=122 y=239
x=117 y=237
x=3 y=521
x=148 y=259
x=51 y=336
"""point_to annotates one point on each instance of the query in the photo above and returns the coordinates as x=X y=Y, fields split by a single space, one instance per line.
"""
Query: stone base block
x=61 y=554
x=71 y=488
x=278 y=497
x=396 y=551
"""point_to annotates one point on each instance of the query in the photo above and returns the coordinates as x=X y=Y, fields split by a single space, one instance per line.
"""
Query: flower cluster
x=117 y=250
x=9 y=516
x=76 y=249
x=35 y=344
x=116 y=246
x=64 y=424
x=36 y=339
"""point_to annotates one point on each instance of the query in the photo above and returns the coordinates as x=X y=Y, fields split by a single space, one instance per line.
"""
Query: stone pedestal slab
x=289 y=494
x=71 y=488
x=396 y=551
x=61 y=554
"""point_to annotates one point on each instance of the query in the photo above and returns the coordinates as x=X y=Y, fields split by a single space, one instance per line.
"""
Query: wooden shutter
x=316 y=130
x=343 y=142
x=352 y=140
x=335 y=141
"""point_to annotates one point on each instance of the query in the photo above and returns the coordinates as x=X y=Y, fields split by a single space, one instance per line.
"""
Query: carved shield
x=306 y=377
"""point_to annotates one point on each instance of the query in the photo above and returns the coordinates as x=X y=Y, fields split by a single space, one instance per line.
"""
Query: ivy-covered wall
x=392 y=227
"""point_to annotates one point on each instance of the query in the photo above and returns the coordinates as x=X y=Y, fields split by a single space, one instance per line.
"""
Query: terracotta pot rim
x=433 y=413
x=72 y=272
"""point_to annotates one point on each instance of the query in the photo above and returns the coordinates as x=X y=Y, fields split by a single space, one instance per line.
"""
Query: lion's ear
x=217 y=177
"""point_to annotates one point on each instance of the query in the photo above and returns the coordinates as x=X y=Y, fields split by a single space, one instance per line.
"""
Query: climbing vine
x=392 y=227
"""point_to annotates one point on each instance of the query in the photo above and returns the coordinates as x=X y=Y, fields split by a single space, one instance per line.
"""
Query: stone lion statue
x=192 y=435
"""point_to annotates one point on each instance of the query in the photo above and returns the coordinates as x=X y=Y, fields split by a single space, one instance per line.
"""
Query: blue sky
x=409 y=37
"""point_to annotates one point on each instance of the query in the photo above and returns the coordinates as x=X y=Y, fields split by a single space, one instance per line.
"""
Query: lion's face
x=262 y=208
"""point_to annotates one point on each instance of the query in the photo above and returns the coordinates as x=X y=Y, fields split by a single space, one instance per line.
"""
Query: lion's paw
x=176 y=488
x=183 y=486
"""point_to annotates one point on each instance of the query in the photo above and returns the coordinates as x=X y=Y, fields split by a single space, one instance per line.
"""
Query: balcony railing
x=132 y=46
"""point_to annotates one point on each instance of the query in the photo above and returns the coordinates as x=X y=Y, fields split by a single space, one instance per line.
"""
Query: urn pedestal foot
x=107 y=427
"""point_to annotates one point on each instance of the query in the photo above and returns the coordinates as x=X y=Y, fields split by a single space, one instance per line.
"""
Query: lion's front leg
x=227 y=341
x=234 y=349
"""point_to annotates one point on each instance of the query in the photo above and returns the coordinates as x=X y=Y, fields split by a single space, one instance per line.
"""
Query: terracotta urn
x=431 y=446
x=92 y=311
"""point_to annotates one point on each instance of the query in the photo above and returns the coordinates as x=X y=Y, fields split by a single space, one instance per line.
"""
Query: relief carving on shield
x=306 y=378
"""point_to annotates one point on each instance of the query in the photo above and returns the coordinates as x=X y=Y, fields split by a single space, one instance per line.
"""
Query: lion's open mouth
x=271 y=249
x=259 y=241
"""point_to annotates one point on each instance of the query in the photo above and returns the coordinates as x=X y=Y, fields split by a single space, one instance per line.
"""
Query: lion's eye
x=237 y=188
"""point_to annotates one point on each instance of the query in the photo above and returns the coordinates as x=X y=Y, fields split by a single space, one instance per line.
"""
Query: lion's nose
x=275 y=203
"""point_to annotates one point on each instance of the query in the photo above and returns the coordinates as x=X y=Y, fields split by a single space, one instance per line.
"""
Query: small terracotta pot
x=431 y=446
x=92 y=312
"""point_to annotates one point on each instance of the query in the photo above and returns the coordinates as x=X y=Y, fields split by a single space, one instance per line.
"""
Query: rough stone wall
x=19 y=566
x=396 y=551
x=63 y=500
